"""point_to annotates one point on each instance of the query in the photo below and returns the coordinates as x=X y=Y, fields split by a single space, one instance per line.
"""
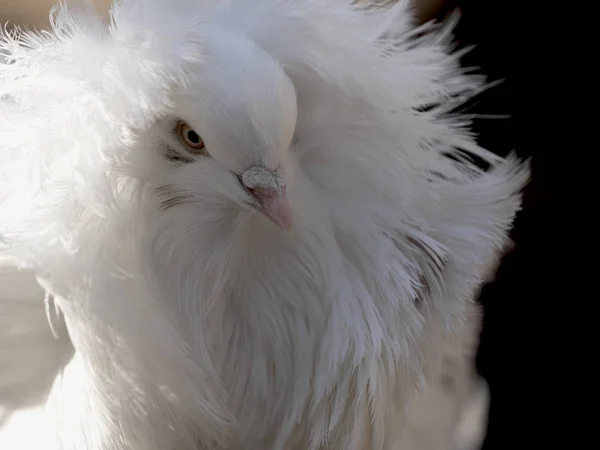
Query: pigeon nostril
x=254 y=192
x=260 y=179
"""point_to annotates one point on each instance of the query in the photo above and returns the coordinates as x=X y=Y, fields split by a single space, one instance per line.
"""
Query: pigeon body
x=255 y=221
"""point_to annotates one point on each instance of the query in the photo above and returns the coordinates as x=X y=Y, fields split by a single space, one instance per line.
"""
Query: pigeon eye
x=190 y=139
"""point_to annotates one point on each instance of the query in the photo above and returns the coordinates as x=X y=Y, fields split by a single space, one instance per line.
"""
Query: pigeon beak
x=275 y=206
x=269 y=191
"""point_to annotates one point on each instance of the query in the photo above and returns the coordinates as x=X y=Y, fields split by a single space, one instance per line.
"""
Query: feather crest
x=183 y=346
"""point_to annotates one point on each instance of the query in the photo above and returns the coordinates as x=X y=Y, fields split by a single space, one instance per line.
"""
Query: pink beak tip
x=276 y=207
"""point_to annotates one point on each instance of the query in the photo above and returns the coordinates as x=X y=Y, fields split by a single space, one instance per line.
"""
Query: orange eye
x=190 y=138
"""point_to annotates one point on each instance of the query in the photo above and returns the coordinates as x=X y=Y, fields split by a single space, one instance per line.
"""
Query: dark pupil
x=193 y=137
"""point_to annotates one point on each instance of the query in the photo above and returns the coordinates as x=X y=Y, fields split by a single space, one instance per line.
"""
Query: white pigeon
x=250 y=223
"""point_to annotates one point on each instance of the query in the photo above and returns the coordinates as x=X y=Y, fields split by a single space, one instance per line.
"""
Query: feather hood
x=248 y=337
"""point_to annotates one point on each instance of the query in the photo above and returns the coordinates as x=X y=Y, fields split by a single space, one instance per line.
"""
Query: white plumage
x=256 y=218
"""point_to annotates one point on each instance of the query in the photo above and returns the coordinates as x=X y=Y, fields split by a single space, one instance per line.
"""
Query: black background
x=513 y=352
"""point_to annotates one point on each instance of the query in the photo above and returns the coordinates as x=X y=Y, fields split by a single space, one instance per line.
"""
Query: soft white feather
x=196 y=322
